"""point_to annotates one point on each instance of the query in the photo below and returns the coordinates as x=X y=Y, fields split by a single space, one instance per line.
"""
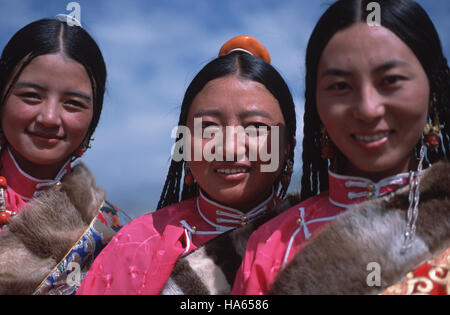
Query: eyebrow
x=389 y=65
x=381 y=68
x=34 y=85
x=29 y=84
x=207 y=112
x=243 y=115
x=252 y=113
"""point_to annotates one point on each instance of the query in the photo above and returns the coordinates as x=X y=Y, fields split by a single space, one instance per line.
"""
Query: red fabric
x=432 y=277
x=21 y=186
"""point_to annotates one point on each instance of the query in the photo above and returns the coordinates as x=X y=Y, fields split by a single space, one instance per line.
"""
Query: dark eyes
x=388 y=81
x=75 y=103
x=206 y=124
x=258 y=125
x=339 y=86
x=30 y=96
x=391 y=80
x=34 y=98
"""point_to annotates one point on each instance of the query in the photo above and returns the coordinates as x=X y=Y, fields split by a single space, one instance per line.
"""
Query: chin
x=47 y=160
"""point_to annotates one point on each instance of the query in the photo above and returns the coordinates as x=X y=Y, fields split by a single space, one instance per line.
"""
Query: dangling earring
x=83 y=148
x=432 y=131
x=286 y=175
x=79 y=153
x=188 y=178
x=328 y=149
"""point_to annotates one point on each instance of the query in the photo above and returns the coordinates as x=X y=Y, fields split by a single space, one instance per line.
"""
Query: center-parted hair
x=51 y=36
x=245 y=66
x=409 y=21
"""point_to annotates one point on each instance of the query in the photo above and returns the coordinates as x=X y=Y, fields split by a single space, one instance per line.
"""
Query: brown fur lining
x=45 y=230
x=337 y=260
x=211 y=269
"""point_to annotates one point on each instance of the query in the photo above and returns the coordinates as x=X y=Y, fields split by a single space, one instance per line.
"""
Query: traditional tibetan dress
x=140 y=258
x=274 y=244
x=41 y=252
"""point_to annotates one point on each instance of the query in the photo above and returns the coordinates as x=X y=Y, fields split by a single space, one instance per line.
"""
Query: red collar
x=346 y=191
x=224 y=218
x=24 y=185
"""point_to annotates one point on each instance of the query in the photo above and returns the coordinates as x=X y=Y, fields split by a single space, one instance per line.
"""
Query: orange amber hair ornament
x=245 y=43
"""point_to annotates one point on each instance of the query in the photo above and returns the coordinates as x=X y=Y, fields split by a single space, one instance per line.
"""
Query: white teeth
x=232 y=171
x=372 y=138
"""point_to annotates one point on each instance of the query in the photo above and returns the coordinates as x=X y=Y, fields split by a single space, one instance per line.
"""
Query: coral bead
x=4 y=217
x=432 y=140
x=328 y=152
x=189 y=180
x=3 y=182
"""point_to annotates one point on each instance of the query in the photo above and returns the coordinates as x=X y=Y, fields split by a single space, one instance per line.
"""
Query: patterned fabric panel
x=66 y=277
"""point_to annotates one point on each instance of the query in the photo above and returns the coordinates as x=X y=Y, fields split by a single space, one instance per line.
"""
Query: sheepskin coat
x=39 y=237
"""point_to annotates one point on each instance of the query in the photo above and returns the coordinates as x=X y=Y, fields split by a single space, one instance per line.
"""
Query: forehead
x=232 y=95
x=362 y=46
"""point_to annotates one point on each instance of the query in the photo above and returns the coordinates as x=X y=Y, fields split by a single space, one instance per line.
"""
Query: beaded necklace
x=5 y=214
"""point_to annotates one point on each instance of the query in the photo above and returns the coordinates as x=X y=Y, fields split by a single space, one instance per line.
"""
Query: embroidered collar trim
x=225 y=218
x=346 y=191
x=23 y=184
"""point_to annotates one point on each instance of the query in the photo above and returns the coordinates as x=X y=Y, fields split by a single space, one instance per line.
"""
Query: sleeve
x=112 y=272
x=138 y=260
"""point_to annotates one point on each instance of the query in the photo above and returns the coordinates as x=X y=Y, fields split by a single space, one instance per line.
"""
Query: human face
x=372 y=97
x=47 y=114
x=233 y=101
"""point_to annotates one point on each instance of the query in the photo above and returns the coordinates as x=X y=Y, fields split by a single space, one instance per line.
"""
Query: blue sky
x=153 y=49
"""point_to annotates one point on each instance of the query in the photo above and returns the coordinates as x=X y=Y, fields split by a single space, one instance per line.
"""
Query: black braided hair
x=248 y=67
x=409 y=21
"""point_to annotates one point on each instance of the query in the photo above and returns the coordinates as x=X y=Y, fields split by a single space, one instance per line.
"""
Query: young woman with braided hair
x=377 y=111
x=238 y=89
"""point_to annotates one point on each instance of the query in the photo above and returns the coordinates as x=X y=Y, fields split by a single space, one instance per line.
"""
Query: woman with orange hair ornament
x=221 y=192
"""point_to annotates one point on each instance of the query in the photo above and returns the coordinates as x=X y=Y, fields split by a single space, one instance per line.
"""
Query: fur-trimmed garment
x=336 y=261
x=342 y=258
x=210 y=270
x=39 y=237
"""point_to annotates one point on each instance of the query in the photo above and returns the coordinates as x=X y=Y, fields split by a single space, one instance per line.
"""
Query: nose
x=49 y=113
x=234 y=143
x=369 y=105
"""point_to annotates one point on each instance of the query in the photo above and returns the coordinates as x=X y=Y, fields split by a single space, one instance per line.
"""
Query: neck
x=247 y=206
x=45 y=172
x=346 y=168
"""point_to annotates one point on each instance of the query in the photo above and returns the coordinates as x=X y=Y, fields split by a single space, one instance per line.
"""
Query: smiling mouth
x=232 y=171
x=372 y=138
x=45 y=136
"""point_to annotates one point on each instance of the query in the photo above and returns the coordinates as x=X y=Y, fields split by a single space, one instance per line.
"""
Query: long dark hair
x=246 y=66
x=50 y=36
x=409 y=21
